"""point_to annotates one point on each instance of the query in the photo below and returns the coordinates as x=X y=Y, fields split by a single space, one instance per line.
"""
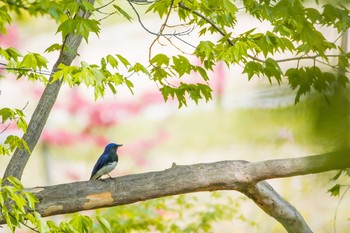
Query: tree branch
x=21 y=156
x=270 y=169
x=230 y=42
x=274 y=205
x=236 y=175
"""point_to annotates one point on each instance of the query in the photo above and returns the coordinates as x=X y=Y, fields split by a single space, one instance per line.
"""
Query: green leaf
x=16 y=142
x=181 y=65
x=5 y=18
x=335 y=190
x=122 y=12
x=15 y=182
x=160 y=59
x=34 y=61
x=334 y=178
x=85 y=26
x=253 y=68
x=114 y=91
x=125 y=62
x=313 y=15
x=71 y=6
x=53 y=47
x=29 y=61
x=86 y=6
x=130 y=85
x=13 y=53
x=52 y=225
x=160 y=7
x=139 y=68
x=106 y=227
x=272 y=69
x=202 y=72
x=81 y=224
x=112 y=61
x=66 y=27
x=205 y=50
x=6 y=113
x=206 y=91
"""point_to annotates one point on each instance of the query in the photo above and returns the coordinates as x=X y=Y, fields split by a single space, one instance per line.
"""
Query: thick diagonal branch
x=48 y=98
x=238 y=175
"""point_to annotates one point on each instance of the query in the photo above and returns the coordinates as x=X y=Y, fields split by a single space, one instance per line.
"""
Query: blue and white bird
x=107 y=161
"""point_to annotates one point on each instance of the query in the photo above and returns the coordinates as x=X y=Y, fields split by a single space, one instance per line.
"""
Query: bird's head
x=112 y=146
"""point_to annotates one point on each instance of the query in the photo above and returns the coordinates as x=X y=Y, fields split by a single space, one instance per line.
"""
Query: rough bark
x=241 y=176
x=274 y=205
x=21 y=156
x=226 y=175
x=270 y=169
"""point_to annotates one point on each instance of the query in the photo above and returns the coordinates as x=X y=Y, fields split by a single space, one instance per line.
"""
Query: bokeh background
x=246 y=120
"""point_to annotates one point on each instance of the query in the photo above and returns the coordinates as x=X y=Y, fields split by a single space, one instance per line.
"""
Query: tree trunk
x=21 y=156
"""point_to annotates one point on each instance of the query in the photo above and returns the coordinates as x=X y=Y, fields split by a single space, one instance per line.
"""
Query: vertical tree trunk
x=21 y=156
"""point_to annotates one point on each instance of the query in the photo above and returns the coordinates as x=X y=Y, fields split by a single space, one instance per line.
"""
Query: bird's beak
x=120 y=144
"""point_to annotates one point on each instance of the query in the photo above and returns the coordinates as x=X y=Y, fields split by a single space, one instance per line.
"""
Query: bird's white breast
x=106 y=169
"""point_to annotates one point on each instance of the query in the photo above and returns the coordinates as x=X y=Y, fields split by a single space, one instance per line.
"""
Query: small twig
x=169 y=40
x=340 y=35
x=44 y=72
x=107 y=15
x=99 y=8
x=180 y=39
x=142 y=2
x=336 y=209
x=25 y=106
x=181 y=5
x=8 y=125
x=306 y=57
x=162 y=27
x=186 y=32
x=219 y=30
x=31 y=228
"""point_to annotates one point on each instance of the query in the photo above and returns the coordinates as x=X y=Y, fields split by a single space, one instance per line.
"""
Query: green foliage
x=12 y=141
x=335 y=190
x=80 y=26
x=5 y=17
x=339 y=177
x=17 y=206
x=294 y=30
x=195 y=91
x=78 y=223
x=120 y=11
x=172 y=214
x=107 y=74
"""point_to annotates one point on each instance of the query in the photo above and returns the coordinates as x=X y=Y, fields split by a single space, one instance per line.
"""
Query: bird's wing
x=99 y=164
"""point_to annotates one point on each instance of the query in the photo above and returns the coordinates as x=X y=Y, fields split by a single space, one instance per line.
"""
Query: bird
x=107 y=161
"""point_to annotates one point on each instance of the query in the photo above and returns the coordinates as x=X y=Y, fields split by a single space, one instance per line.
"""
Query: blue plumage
x=107 y=161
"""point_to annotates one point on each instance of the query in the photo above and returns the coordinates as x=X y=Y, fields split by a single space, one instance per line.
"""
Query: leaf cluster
x=18 y=206
x=335 y=190
x=12 y=141
x=184 y=213
x=109 y=73
x=295 y=31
